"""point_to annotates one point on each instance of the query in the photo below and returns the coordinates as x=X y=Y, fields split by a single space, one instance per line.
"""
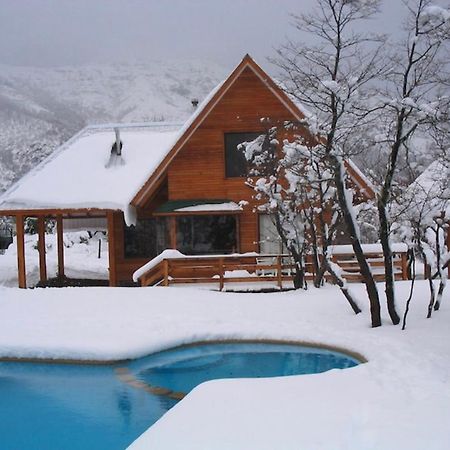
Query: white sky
x=72 y=32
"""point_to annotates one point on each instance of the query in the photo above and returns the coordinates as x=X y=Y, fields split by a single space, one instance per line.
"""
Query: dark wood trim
x=60 y=245
x=41 y=249
x=112 y=250
x=20 y=237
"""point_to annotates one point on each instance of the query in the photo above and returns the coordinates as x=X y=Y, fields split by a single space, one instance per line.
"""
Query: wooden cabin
x=170 y=186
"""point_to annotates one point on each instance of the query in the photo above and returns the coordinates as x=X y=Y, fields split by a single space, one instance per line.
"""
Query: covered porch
x=61 y=218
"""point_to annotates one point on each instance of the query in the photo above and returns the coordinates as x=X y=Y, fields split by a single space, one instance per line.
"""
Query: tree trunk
x=343 y=286
x=431 y=303
x=440 y=274
x=411 y=291
x=388 y=265
x=437 y=304
x=364 y=268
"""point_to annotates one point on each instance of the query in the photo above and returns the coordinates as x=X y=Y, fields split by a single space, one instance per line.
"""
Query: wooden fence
x=278 y=269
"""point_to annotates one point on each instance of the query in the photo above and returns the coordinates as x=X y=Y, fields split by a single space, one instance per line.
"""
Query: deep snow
x=400 y=399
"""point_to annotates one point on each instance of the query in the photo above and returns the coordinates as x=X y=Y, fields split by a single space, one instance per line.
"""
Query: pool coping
x=94 y=362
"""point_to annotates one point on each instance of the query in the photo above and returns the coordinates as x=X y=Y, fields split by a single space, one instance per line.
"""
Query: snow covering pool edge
x=104 y=362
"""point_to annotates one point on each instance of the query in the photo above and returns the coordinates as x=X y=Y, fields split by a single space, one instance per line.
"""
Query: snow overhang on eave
x=198 y=206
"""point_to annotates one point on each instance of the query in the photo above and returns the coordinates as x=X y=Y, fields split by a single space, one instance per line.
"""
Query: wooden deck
x=254 y=268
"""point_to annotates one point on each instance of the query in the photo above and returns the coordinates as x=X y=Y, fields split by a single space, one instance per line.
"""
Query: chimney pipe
x=194 y=102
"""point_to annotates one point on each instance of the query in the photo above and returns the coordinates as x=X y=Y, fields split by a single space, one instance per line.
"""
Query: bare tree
x=294 y=185
x=423 y=214
x=333 y=78
x=413 y=102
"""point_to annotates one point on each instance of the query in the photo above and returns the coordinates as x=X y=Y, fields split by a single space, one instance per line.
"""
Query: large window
x=203 y=235
x=236 y=165
x=147 y=239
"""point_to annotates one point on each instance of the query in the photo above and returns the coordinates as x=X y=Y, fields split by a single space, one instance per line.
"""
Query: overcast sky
x=72 y=32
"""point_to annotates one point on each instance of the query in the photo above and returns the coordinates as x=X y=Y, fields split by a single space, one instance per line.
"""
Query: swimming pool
x=60 y=406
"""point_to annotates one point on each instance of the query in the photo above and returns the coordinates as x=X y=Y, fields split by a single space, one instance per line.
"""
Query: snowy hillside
x=42 y=107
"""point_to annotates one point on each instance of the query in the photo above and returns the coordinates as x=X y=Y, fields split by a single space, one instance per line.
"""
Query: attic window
x=236 y=164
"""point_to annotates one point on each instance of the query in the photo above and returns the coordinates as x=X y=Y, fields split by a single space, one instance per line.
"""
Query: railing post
x=221 y=274
x=166 y=272
x=20 y=238
x=41 y=249
x=279 y=273
x=404 y=266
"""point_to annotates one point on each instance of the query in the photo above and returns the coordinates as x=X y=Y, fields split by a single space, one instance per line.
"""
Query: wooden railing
x=278 y=269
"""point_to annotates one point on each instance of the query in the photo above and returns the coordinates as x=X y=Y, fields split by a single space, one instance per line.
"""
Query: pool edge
x=94 y=362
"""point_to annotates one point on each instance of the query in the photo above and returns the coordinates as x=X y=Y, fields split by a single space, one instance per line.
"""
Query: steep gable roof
x=205 y=109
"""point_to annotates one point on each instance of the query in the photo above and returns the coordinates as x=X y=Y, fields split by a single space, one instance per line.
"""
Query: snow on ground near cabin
x=400 y=399
x=76 y=176
x=80 y=258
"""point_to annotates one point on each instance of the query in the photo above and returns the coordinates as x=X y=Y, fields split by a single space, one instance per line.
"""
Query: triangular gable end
x=207 y=107
x=202 y=113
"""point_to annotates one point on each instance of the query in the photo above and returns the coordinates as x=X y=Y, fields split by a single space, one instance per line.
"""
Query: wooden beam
x=20 y=237
x=112 y=250
x=41 y=249
x=60 y=244
x=81 y=212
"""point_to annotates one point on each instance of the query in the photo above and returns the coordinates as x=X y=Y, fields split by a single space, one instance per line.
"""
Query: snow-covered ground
x=399 y=399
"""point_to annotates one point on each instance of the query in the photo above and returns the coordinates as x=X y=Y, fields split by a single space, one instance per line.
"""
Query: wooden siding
x=198 y=171
x=198 y=168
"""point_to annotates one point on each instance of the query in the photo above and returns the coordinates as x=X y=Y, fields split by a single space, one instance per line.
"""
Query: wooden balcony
x=278 y=270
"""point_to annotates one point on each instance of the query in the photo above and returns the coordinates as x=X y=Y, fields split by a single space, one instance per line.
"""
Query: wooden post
x=60 y=244
x=20 y=237
x=166 y=272
x=41 y=249
x=279 y=273
x=404 y=265
x=221 y=280
x=111 y=250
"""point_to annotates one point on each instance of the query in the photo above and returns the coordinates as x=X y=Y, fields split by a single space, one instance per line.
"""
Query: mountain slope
x=42 y=107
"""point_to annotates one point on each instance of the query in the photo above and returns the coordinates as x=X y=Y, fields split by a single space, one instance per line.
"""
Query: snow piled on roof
x=76 y=176
x=429 y=195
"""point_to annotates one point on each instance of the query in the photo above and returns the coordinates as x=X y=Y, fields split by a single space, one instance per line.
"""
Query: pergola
x=42 y=215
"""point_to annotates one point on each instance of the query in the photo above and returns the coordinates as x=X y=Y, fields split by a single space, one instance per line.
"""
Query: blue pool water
x=68 y=407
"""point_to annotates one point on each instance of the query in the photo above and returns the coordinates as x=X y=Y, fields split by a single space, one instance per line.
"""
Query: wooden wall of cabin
x=198 y=171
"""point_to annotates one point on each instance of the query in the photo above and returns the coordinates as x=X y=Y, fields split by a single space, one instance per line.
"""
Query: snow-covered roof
x=429 y=194
x=76 y=175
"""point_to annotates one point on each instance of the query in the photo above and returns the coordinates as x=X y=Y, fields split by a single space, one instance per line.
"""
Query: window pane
x=147 y=239
x=235 y=163
x=202 y=235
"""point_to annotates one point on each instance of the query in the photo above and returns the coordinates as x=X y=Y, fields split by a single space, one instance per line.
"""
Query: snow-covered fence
x=172 y=267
